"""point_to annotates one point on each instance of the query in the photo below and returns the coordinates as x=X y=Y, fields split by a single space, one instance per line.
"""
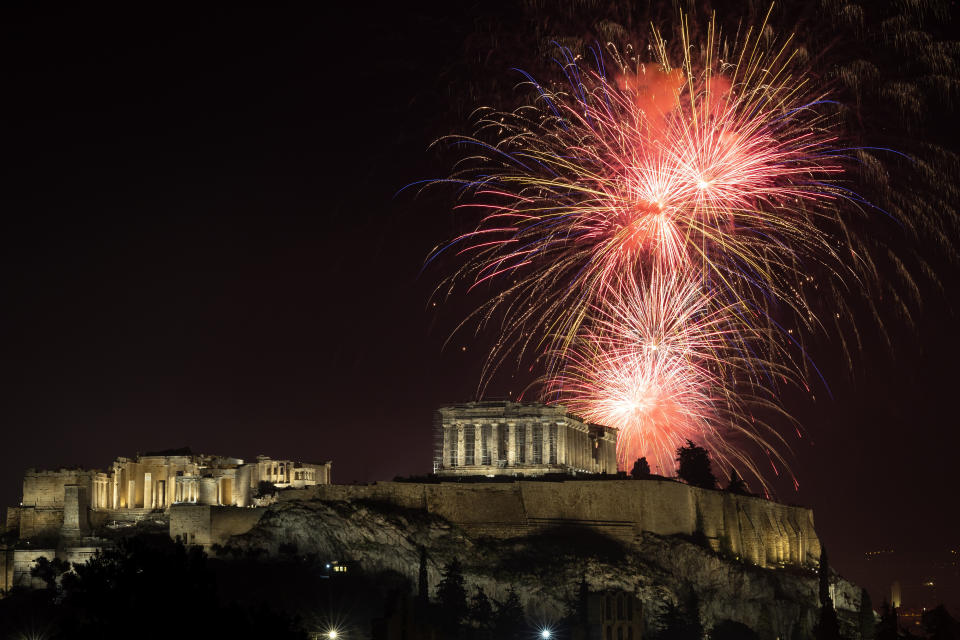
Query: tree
x=681 y=623
x=940 y=625
x=49 y=571
x=641 y=469
x=510 y=623
x=888 y=627
x=481 y=615
x=119 y=588
x=736 y=484
x=828 y=627
x=694 y=466
x=266 y=488
x=731 y=630
x=452 y=598
x=423 y=581
x=867 y=625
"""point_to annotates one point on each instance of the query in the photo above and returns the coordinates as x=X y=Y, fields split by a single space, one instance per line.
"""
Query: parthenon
x=514 y=438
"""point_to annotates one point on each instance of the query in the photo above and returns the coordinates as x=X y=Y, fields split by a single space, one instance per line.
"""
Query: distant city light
x=546 y=634
x=332 y=634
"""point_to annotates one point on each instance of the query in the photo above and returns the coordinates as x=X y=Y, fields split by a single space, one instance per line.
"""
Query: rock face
x=546 y=568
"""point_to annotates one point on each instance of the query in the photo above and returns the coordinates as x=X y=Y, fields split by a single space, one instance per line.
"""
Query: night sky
x=202 y=247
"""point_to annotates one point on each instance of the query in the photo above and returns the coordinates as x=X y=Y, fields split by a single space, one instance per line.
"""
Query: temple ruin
x=69 y=505
x=512 y=438
x=205 y=500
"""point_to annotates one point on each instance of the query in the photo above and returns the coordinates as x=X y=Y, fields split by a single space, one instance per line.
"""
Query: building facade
x=66 y=501
x=513 y=438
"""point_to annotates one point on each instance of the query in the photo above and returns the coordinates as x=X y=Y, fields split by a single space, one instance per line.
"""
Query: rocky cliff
x=546 y=568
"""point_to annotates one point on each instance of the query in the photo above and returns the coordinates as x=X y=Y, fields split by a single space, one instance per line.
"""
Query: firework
x=656 y=363
x=639 y=227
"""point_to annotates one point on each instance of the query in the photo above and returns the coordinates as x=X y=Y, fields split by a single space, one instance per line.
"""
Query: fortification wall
x=23 y=561
x=45 y=488
x=13 y=519
x=6 y=568
x=763 y=532
x=190 y=523
x=207 y=525
x=40 y=521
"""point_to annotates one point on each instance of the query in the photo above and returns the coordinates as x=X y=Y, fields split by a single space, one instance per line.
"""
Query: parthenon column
x=477 y=444
x=545 y=442
x=511 y=444
x=562 y=443
x=494 y=443
x=579 y=451
x=447 y=434
x=461 y=449
x=528 y=442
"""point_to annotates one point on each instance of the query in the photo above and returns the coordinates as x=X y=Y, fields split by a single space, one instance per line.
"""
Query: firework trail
x=640 y=229
x=654 y=362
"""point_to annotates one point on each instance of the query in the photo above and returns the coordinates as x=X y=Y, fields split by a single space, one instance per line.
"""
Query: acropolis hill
x=503 y=471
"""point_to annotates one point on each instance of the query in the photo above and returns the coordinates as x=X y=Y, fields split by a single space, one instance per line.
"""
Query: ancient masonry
x=204 y=500
x=68 y=505
x=519 y=439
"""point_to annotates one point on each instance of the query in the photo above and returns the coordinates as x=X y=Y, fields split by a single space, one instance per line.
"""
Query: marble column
x=562 y=443
x=528 y=445
x=494 y=444
x=148 y=491
x=461 y=448
x=511 y=444
x=477 y=444
x=445 y=445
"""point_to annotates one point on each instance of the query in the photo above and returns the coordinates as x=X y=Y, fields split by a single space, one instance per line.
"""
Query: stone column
x=561 y=429
x=545 y=442
x=578 y=454
x=445 y=436
x=494 y=444
x=461 y=449
x=148 y=491
x=477 y=444
x=131 y=494
x=528 y=444
x=511 y=444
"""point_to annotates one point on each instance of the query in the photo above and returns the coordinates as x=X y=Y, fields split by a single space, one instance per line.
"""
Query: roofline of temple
x=482 y=404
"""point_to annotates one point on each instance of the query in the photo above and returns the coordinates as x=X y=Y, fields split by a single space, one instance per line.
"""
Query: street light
x=332 y=634
x=546 y=634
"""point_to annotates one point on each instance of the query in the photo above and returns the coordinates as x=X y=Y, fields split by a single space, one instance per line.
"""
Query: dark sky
x=202 y=247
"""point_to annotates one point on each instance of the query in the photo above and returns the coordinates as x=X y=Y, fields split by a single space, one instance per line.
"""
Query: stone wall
x=207 y=525
x=44 y=489
x=23 y=561
x=6 y=568
x=39 y=521
x=763 y=532
x=13 y=519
